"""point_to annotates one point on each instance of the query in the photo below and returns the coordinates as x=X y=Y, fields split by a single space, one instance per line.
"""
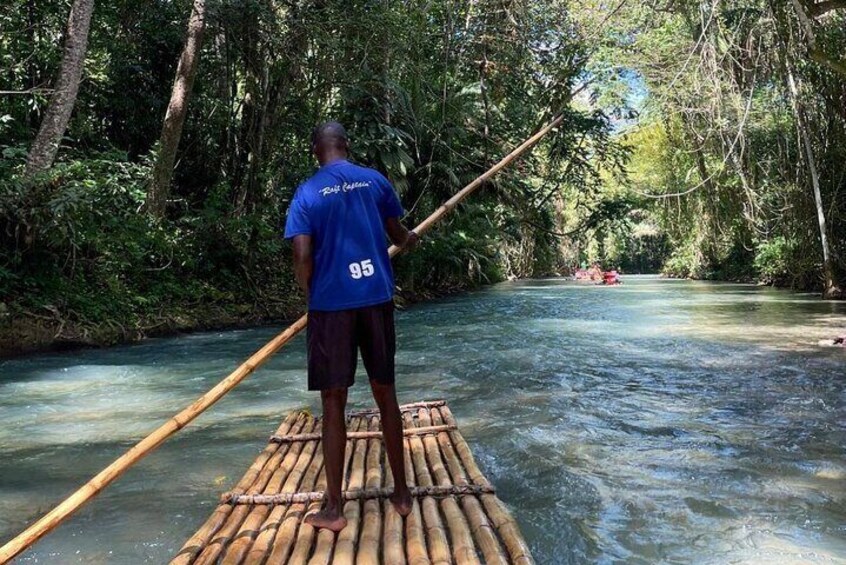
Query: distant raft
x=456 y=517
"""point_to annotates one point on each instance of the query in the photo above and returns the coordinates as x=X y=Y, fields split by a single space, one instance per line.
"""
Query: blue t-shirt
x=343 y=207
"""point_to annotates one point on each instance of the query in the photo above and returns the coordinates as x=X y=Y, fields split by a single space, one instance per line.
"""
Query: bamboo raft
x=456 y=516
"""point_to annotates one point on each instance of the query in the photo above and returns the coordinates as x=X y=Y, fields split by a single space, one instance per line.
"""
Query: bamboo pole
x=392 y=538
x=393 y=549
x=483 y=531
x=435 y=491
x=345 y=545
x=119 y=466
x=435 y=532
x=463 y=548
x=414 y=533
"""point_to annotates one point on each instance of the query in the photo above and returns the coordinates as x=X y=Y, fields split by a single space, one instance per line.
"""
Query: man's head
x=329 y=142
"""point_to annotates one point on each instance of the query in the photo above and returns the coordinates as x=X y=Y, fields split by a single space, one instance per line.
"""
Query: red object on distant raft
x=611 y=277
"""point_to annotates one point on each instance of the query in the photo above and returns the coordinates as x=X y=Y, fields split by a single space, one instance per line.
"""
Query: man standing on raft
x=338 y=221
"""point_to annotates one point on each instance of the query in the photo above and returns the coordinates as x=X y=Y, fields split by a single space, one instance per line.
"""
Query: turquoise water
x=659 y=421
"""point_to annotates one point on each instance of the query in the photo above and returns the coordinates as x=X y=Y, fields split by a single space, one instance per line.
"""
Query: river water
x=656 y=422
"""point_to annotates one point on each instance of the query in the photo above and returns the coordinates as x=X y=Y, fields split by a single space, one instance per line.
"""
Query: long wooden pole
x=119 y=466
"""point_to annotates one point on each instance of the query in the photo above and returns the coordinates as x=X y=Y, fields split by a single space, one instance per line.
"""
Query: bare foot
x=402 y=502
x=327 y=519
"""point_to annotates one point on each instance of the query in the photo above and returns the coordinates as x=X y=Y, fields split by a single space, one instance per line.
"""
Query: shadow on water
x=659 y=421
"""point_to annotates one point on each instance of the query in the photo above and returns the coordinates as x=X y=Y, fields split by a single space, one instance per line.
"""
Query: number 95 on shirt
x=361 y=269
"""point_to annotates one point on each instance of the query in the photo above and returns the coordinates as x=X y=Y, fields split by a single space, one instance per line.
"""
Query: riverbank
x=23 y=332
x=804 y=285
x=26 y=333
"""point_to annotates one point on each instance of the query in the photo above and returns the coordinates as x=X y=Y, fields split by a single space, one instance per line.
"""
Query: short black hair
x=329 y=132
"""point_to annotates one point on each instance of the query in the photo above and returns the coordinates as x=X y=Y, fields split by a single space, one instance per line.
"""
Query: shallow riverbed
x=658 y=421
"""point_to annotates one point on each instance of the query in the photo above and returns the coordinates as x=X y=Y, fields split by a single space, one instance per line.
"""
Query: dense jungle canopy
x=150 y=149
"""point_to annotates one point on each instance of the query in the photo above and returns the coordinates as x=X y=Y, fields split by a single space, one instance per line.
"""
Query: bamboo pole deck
x=456 y=517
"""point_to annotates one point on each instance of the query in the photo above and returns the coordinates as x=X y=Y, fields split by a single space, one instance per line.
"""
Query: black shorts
x=335 y=338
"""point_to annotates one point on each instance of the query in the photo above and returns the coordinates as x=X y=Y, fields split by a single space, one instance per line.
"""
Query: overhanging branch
x=818 y=9
x=837 y=66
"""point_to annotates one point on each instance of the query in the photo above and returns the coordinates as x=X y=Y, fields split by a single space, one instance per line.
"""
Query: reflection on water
x=659 y=421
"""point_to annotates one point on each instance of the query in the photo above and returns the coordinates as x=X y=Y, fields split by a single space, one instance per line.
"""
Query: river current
x=655 y=422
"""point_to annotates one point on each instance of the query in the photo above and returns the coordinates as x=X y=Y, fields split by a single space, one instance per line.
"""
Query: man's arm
x=303 y=264
x=403 y=238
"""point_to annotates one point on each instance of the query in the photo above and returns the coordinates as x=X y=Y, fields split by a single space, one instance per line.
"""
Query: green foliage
x=717 y=161
x=461 y=253
x=772 y=259
x=407 y=79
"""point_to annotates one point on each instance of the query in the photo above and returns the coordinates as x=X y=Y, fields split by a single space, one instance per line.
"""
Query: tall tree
x=56 y=118
x=831 y=288
x=177 y=110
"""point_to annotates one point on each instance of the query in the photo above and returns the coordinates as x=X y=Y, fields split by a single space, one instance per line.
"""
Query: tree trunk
x=56 y=118
x=31 y=65
x=831 y=288
x=255 y=125
x=256 y=77
x=177 y=110
x=483 y=89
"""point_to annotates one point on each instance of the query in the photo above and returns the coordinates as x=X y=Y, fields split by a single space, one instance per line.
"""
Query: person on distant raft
x=338 y=220
x=611 y=277
x=595 y=272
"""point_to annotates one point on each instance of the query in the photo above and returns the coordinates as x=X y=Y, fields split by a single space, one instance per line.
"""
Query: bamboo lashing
x=375 y=434
x=371 y=524
x=354 y=494
x=118 y=467
x=410 y=407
